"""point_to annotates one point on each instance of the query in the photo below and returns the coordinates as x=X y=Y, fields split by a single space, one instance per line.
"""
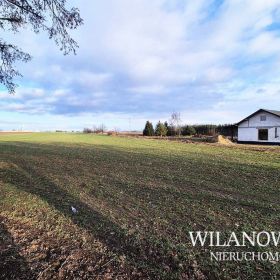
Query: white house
x=262 y=127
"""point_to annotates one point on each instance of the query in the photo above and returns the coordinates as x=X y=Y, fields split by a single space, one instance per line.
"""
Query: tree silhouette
x=149 y=129
x=51 y=16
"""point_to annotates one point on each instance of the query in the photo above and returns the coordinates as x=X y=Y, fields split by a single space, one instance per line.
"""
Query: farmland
x=137 y=199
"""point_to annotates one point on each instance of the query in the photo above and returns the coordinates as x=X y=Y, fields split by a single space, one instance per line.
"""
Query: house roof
x=273 y=112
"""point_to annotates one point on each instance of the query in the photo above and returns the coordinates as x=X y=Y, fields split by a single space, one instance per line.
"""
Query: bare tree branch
x=51 y=16
x=18 y=20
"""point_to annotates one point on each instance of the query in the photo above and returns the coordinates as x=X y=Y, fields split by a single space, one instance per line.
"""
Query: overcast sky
x=213 y=61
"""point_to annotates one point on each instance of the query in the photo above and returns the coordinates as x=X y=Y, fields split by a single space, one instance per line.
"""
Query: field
x=137 y=199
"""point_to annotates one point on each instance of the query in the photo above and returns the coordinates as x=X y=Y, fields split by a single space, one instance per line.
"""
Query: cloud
x=153 y=57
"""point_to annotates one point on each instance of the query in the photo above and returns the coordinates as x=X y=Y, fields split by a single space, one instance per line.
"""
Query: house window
x=276 y=132
x=263 y=118
x=263 y=134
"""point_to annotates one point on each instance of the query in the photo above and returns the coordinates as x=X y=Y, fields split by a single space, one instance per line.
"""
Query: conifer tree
x=188 y=130
x=161 y=129
x=149 y=129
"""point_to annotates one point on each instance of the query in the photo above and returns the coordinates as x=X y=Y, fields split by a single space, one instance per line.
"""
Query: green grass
x=138 y=199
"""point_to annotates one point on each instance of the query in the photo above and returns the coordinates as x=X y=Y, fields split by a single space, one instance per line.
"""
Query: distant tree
x=87 y=130
x=205 y=129
x=99 y=129
x=227 y=130
x=171 y=131
x=149 y=129
x=102 y=128
x=188 y=130
x=175 y=122
x=161 y=129
x=51 y=16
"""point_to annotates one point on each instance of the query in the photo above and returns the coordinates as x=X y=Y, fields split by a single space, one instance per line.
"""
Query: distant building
x=262 y=127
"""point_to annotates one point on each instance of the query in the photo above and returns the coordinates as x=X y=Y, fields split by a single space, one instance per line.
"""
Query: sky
x=213 y=61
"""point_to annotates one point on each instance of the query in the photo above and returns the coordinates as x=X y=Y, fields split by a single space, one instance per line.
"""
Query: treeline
x=166 y=129
x=211 y=129
x=95 y=129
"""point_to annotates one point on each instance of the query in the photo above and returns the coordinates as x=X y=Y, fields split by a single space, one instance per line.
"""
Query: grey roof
x=273 y=112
